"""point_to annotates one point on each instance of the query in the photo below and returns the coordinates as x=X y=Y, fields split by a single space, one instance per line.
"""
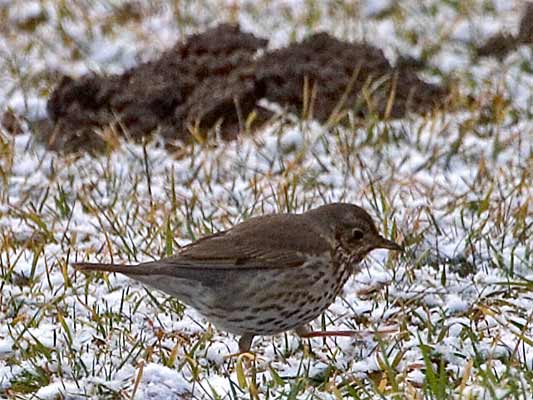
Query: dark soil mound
x=216 y=79
x=145 y=97
x=500 y=44
x=340 y=76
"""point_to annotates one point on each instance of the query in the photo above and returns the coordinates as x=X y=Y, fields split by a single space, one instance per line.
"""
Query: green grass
x=455 y=187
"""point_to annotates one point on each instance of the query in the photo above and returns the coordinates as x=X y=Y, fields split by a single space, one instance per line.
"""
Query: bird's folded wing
x=264 y=242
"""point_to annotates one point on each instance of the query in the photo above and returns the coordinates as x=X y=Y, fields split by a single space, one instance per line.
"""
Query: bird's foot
x=241 y=354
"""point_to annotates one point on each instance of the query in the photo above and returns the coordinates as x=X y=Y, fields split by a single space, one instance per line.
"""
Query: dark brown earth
x=337 y=74
x=151 y=96
x=216 y=78
x=501 y=44
x=11 y=123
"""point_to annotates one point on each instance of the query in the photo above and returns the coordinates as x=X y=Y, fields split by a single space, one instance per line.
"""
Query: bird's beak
x=388 y=244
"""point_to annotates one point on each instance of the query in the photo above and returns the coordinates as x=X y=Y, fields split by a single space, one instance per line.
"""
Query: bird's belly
x=190 y=292
x=260 y=301
x=274 y=301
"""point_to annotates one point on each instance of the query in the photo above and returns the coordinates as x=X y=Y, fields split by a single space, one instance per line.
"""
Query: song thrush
x=268 y=274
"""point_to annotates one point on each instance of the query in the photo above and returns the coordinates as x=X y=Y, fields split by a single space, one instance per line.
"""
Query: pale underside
x=260 y=301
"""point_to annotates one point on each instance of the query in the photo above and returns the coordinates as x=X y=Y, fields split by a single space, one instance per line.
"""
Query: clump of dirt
x=342 y=76
x=525 y=33
x=216 y=78
x=501 y=44
x=11 y=123
x=147 y=96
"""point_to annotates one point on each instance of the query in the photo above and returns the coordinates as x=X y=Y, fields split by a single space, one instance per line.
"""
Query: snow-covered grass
x=449 y=318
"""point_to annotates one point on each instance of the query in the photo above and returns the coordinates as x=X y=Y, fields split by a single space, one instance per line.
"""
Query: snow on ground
x=455 y=188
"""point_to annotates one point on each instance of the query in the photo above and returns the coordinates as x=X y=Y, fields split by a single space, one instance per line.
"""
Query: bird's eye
x=357 y=234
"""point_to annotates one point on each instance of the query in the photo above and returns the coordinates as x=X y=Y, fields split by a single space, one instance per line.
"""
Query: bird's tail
x=127 y=269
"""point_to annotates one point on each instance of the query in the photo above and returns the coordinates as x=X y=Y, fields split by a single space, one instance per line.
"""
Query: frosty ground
x=455 y=187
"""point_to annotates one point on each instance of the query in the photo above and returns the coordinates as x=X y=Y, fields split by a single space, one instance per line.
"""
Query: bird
x=268 y=274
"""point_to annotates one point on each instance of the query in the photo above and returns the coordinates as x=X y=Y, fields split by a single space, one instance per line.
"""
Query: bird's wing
x=275 y=241
x=259 y=243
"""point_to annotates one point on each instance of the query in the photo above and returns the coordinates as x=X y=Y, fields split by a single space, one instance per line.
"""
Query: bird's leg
x=245 y=342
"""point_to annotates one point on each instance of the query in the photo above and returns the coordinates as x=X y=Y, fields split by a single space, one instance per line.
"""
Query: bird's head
x=352 y=228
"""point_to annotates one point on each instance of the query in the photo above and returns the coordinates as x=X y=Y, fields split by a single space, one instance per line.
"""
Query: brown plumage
x=268 y=274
